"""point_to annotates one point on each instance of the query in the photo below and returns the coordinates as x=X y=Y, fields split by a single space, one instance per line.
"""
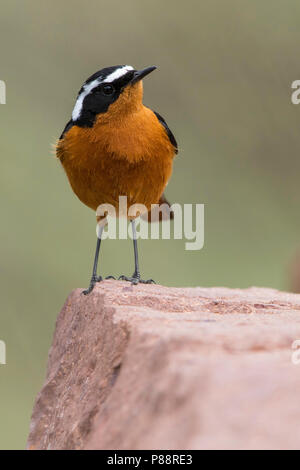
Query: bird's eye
x=108 y=90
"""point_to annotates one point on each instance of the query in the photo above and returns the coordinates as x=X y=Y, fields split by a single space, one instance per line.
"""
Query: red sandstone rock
x=151 y=367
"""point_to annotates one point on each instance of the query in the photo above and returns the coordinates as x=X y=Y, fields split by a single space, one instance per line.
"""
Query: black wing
x=169 y=132
x=68 y=127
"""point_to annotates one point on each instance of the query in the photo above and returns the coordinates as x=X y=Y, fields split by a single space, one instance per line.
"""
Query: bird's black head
x=104 y=88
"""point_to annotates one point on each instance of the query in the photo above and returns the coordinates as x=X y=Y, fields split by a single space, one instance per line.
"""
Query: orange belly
x=132 y=157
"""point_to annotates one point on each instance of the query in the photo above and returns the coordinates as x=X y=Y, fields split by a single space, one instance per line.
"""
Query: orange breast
x=126 y=156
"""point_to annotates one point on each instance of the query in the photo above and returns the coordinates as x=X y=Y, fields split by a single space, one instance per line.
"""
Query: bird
x=113 y=146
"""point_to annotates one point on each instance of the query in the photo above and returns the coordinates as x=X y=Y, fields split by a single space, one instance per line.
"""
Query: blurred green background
x=224 y=87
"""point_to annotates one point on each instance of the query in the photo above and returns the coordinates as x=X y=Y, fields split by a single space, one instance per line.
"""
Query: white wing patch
x=87 y=88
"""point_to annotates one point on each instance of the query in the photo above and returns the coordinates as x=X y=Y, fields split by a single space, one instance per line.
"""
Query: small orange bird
x=115 y=146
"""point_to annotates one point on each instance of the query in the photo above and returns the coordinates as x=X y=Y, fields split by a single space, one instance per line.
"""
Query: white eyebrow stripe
x=117 y=73
x=87 y=88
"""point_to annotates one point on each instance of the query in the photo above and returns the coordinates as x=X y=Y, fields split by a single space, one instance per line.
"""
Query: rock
x=294 y=273
x=152 y=367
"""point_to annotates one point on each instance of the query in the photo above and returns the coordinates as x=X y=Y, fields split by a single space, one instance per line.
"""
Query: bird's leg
x=136 y=277
x=94 y=277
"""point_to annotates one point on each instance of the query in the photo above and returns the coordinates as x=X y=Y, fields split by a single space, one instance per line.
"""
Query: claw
x=148 y=281
x=136 y=279
x=87 y=291
x=94 y=280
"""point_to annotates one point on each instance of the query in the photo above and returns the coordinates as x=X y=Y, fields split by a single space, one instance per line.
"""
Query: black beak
x=139 y=74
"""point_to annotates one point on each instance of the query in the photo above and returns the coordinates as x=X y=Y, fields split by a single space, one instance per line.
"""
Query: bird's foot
x=93 y=282
x=136 y=279
x=110 y=277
